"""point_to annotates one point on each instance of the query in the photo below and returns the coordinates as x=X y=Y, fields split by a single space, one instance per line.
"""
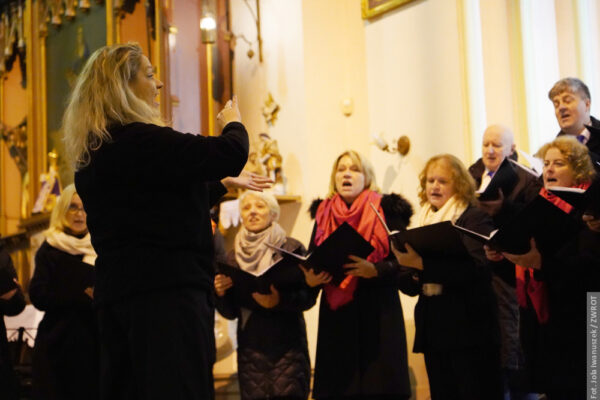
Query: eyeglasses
x=73 y=209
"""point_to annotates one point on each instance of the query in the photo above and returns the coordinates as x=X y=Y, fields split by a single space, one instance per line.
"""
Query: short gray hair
x=572 y=85
x=268 y=198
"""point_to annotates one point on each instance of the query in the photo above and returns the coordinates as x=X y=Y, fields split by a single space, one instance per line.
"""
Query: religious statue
x=271 y=159
x=270 y=110
x=51 y=187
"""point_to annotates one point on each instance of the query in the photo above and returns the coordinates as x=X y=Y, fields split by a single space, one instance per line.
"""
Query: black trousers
x=469 y=374
x=158 y=345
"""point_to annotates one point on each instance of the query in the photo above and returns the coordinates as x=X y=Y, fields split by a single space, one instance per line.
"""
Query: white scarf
x=72 y=245
x=450 y=211
x=251 y=253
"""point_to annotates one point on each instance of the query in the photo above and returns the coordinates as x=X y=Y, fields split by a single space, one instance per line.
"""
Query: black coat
x=464 y=316
x=361 y=346
x=570 y=273
x=14 y=306
x=273 y=359
x=65 y=356
x=147 y=194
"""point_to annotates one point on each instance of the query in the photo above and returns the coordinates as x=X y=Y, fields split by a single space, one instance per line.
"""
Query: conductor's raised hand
x=360 y=267
x=410 y=258
x=267 y=300
x=222 y=283
x=247 y=180
x=314 y=280
x=229 y=113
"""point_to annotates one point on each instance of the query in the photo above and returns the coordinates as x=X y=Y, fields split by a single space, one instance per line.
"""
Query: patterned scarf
x=251 y=253
x=360 y=216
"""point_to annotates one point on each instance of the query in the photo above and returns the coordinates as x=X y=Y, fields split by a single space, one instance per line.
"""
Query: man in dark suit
x=498 y=143
x=572 y=100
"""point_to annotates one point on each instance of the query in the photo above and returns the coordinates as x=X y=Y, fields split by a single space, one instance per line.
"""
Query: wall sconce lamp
x=232 y=37
x=402 y=144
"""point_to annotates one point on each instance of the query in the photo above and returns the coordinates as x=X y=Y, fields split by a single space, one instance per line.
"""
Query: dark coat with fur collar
x=361 y=347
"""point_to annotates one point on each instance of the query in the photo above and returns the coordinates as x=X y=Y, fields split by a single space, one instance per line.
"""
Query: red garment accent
x=334 y=212
x=557 y=201
x=535 y=290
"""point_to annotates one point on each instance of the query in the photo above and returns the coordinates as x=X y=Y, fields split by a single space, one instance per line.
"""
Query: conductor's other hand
x=313 y=279
x=222 y=283
x=247 y=180
x=267 y=300
x=229 y=113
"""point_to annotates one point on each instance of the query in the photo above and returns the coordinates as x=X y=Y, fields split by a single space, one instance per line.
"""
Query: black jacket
x=361 y=346
x=147 y=195
x=464 y=316
x=570 y=274
x=593 y=144
x=65 y=355
x=273 y=359
x=14 y=306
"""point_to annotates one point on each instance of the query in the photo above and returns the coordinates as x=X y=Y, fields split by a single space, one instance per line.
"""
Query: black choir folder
x=549 y=225
x=504 y=179
x=440 y=239
x=281 y=274
x=330 y=255
x=586 y=201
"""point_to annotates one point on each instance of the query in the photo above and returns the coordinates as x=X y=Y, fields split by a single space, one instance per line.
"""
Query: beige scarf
x=449 y=212
x=72 y=245
x=251 y=253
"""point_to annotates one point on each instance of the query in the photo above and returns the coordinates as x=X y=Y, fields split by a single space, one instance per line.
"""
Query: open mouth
x=551 y=180
x=346 y=184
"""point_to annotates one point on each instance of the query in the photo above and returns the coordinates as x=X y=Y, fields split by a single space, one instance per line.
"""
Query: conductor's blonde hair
x=102 y=98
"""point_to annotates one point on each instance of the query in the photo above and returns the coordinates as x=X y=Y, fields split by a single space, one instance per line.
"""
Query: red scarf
x=535 y=290
x=531 y=288
x=360 y=216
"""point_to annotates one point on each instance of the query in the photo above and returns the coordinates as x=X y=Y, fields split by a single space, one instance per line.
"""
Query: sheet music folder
x=330 y=255
x=281 y=274
x=587 y=201
x=436 y=239
x=505 y=178
x=549 y=225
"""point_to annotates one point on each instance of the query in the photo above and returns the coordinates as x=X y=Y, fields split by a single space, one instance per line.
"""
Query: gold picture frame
x=374 y=8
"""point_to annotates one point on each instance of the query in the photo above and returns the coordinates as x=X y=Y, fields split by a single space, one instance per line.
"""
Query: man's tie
x=581 y=138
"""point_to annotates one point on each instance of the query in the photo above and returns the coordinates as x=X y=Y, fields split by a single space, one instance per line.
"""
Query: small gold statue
x=51 y=186
x=272 y=160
